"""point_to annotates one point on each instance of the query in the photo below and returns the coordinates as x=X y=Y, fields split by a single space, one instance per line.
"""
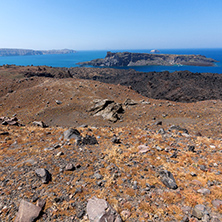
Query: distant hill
x=121 y=59
x=23 y=52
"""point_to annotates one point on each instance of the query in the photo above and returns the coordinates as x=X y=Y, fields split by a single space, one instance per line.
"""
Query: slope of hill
x=122 y=161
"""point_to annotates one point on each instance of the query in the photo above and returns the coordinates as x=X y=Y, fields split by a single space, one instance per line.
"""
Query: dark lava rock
x=191 y=148
x=115 y=140
x=89 y=140
x=181 y=86
x=167 y=179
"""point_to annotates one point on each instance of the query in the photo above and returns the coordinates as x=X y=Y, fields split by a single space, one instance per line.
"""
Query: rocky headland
x=74 y=149
x=121 y=59
x=23 y=52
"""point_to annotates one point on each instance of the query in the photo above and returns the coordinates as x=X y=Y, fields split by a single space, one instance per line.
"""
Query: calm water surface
x=70 y=60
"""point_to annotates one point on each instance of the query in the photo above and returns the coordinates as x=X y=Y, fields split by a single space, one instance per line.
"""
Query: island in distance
x=22 y=52
x=121 y=59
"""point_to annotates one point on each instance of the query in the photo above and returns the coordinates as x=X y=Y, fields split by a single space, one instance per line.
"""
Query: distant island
x=23 y=52
x=123 y=59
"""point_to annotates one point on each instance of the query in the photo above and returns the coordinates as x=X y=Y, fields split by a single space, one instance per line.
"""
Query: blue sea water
x=70 y=60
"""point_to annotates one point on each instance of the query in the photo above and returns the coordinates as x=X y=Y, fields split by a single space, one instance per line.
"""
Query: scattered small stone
x=43 y=174
x=49 y=149
x=143 y=149
x=81 y=214
x=56 y=146
x=199 y=211
x=98 y=176
x=174 y=155
x=115 y=140
x=159 y=148
x=161 y=131
x=203 y=168
x=60 y=153
x=135 y=187
x=39 y=123
x=125 y=214
x=158 y=123
x=69 y=167
x=203 y=191
x=167 y=179
x=191 y=148
x=217 y=203
x=185 y=219
x=58 y=102
x=193 y=174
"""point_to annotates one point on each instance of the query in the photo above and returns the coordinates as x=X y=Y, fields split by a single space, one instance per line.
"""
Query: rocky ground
x=151 y=160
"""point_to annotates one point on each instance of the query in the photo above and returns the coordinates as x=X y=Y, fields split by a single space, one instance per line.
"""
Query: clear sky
x=110 y=24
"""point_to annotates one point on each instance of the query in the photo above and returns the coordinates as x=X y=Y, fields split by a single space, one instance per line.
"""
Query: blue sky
x=110 y=24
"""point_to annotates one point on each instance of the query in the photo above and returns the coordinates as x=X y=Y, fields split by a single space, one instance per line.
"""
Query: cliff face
x=22 y=52
x=122 y=59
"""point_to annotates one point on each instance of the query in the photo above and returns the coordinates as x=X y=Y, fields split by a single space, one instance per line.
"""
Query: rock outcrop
x=121 y=59
x=108 y=109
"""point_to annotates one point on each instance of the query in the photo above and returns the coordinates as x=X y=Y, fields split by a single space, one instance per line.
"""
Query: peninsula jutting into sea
x=22 y=52
x=121 y=59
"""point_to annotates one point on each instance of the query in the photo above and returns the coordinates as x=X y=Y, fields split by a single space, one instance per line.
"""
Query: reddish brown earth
x=22 y=150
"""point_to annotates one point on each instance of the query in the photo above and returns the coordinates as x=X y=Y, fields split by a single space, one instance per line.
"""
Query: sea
x=71 y=60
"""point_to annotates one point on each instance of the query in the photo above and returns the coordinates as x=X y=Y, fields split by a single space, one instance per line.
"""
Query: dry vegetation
x=130 y=179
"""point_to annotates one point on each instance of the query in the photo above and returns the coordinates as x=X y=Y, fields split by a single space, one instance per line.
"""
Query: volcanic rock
x=108 y=109
x=28 y=212
x=199 y=211
x=167 y=179
x=72 y=133
x=40 y=124
x=43 y=174
x=99 y=210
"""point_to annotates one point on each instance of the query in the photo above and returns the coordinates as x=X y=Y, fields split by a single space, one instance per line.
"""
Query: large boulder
x=108 y=109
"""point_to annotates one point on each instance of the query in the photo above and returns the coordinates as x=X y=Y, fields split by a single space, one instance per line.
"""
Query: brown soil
x=22 y=150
